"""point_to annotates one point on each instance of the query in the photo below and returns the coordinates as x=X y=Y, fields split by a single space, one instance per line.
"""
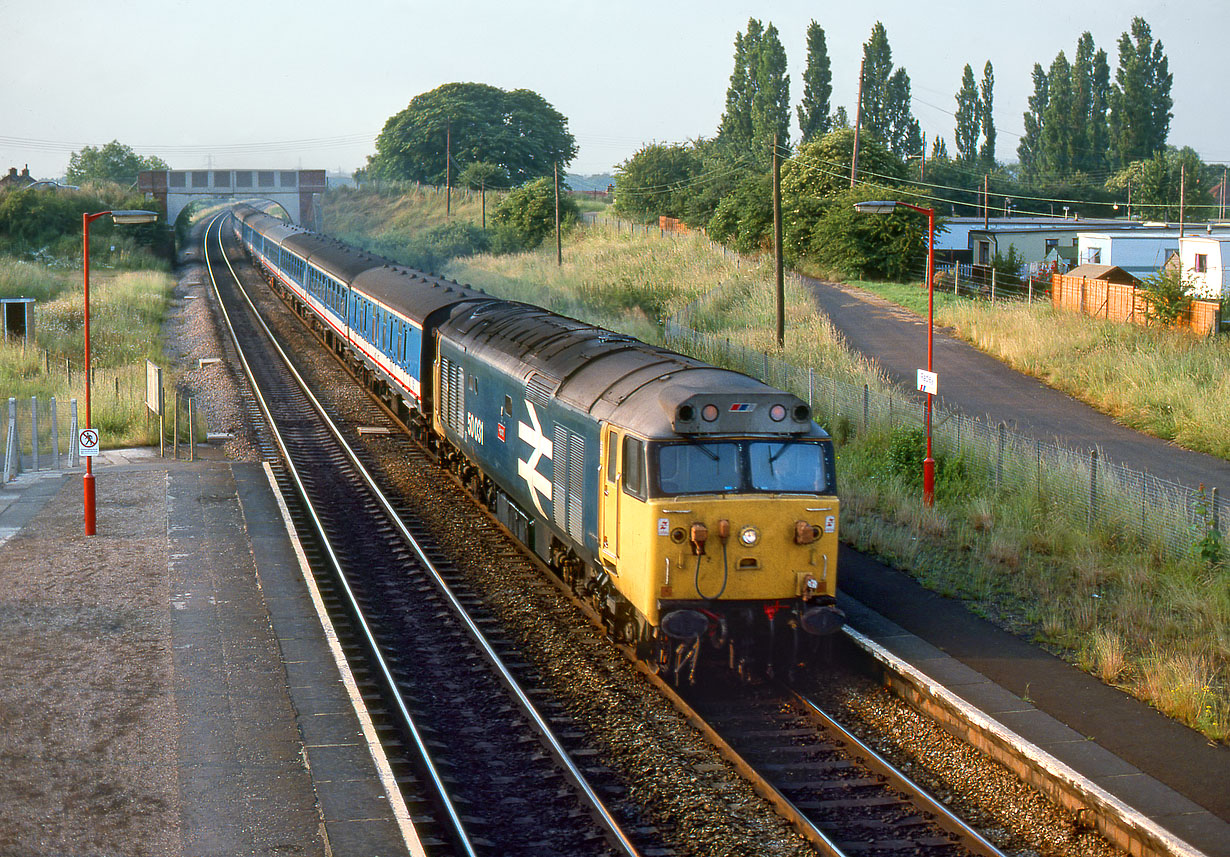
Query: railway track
x=835 y=792
x=838 y=792
x=483 y=768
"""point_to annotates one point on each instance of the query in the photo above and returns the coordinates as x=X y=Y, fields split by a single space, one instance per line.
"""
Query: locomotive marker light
x=122 y=216
x=886 y=207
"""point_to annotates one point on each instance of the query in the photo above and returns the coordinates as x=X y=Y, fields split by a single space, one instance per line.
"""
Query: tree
x=1029 y=150
x=483 y=174
x=517 y=130
x=813 y=110
x=968 y=125
x=736 y=127
x=1059 y=131
x=113 y=162
x=986 y=106
x=886 y=97
x=1155 y=185
x=771 y=100
x=652 y=182
x=1140 y=99
x=939 y=149
x=527 y=214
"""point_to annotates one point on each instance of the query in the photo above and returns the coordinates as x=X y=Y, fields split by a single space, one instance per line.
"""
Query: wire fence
x=1104 y=496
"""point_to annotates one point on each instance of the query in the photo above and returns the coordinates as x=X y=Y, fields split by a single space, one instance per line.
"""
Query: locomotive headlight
x=777 y=413
x=749 y=537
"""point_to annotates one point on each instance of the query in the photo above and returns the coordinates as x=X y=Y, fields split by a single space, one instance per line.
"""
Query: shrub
x=1169 y=294
x=527 y=215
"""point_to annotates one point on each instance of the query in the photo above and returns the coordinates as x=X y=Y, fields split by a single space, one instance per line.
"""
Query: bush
x=1169 y=295
x=527 y=216
x=904 y=456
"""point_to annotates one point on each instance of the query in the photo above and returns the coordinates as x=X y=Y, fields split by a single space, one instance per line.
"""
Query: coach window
x=634 y=467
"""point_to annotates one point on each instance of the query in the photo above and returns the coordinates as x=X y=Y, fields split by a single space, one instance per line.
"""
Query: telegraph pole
x=858 y=121
x=559 y=248
x=777 y=246
x=1182 y=194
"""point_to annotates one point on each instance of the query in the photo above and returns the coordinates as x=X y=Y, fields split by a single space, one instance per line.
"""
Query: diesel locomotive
x=691 y=505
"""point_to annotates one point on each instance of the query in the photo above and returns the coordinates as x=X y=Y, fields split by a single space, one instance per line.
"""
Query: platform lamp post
x=120 y=216
x=927 y=383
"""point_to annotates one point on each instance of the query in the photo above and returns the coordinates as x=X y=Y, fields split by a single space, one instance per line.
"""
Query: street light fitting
x=134 y=215
x=878 y=206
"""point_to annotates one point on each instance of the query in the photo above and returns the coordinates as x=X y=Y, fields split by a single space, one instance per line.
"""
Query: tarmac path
x=978 y=385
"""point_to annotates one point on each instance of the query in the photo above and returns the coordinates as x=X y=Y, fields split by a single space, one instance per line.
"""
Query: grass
x=126 y=314
x=1168 y=383
x=1109 y=601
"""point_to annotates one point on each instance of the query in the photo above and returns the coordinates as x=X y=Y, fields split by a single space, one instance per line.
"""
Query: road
x=981 y=386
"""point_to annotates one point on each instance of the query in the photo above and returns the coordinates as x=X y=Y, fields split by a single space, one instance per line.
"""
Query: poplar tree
x=886 y=97
x=967 y=116
x=771 y=99
x=1029 y=150
x=736 y=127
x=1058 y=129
x=986 y=106
x=1140 y=99
x=813 y=110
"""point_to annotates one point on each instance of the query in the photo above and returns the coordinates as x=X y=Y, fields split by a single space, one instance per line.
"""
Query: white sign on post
x=87 y=442
x=928 y=382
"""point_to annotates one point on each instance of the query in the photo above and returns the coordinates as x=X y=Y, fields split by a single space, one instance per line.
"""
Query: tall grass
x=127 y=309
x=1168 y=383
x=1122 y=608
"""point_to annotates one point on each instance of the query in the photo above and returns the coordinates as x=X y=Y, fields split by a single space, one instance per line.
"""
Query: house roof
x=1109 y=273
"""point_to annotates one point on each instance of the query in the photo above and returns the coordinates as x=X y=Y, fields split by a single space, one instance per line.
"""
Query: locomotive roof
x=613 y=376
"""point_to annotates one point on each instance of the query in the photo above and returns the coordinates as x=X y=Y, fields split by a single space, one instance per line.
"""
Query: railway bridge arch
x=295 y=190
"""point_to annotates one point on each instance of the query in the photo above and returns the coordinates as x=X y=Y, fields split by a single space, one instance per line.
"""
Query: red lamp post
x=121 y=216
x=885 y=207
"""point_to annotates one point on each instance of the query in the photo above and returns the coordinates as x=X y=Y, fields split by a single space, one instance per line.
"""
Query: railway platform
x=1104 y=744
x=169 y=688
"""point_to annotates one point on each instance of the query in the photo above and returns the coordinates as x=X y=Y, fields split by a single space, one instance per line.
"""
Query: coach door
x=610 y=493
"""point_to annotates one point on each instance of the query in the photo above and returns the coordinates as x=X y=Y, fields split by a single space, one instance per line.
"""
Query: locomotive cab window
x=634 y=467
x=769 y=466
x=612 y=458
x=507 y=406
x=473 y=383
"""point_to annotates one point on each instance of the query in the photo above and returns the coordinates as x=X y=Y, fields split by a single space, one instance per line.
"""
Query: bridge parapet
x=295 y=190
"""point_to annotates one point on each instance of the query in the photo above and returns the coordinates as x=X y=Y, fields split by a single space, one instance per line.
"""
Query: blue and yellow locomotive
x=688 y=503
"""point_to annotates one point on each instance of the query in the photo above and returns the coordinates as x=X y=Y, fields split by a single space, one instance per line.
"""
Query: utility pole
x=858 y=121
x=559 y=248
x=1182 y=194
x=922 y=170
x=986 y=200
x=1222 y=211
x=777 y=246
x=448 y=167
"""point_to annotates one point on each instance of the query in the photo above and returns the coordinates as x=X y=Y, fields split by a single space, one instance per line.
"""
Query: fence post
x=12 y=445
x=175 y=428
x=810 y=378
x=73 y=435
x=1093 y=487
x=1144 y=505
x=55 y=432
x=34 y=431
x=956 y=279
x=1216 y=512
x=191 y=426
x=992 y=285
x=1031 y=290
x=999 y=460
x=866 y=406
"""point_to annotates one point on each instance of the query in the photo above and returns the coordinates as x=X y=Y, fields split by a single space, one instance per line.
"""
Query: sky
x=310 y=83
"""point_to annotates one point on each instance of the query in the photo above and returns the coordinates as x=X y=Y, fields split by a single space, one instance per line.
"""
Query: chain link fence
x=1106 y=497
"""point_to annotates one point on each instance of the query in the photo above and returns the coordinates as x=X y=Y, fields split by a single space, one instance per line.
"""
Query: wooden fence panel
x=1124 y=303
